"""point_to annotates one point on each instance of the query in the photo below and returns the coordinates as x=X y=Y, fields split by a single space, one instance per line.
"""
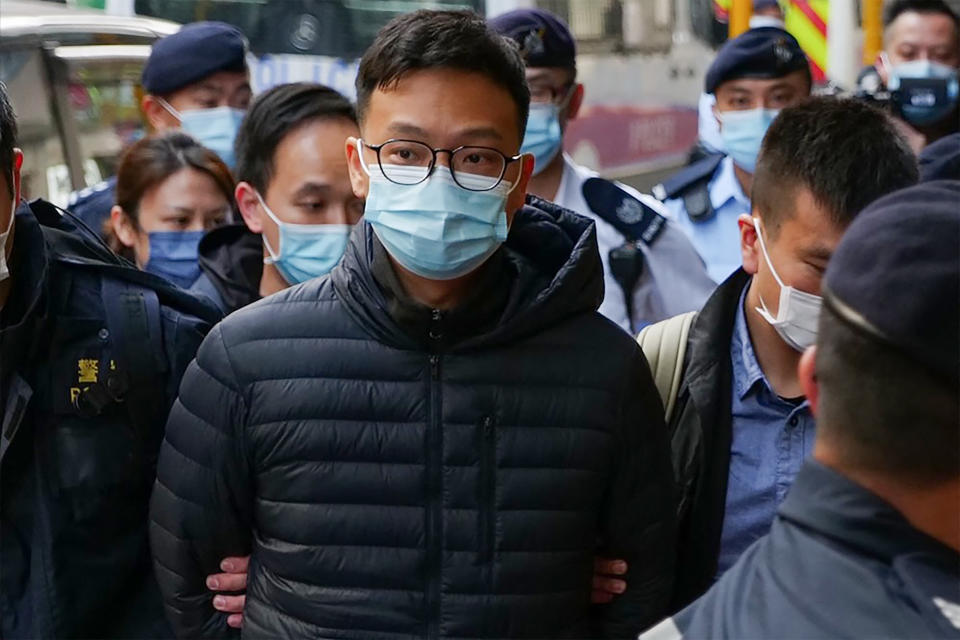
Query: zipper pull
x=434 y=367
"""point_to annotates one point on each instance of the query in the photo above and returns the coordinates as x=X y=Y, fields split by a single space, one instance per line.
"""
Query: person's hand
x=233 y=579
x=606 y=587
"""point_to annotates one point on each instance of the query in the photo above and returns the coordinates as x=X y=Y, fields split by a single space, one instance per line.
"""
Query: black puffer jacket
x=397 y=477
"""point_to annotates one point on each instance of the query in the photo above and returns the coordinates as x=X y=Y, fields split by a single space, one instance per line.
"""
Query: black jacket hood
x=552 y=251
x=232 y=258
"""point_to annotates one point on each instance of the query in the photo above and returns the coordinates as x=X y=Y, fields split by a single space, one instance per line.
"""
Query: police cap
x=196 y=51
x=896 y=275
x=543 y=38
x=941 y=160
x=765 y=4
x=764 y=52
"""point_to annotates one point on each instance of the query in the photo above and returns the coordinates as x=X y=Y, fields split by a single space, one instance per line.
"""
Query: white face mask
x=798 y=312
x=4 y=267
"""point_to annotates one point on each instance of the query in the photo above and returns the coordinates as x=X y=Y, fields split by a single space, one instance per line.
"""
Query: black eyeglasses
x=410 y=162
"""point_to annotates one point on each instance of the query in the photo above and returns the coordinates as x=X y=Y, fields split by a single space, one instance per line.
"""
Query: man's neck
x=744 y=178
x=546 y=184
x=777 y=359
x=931 y=509
x=271 y=281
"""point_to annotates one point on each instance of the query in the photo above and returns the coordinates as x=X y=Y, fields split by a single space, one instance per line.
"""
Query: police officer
x=91 y=355
x=867 y=543
x=197 y=80
x=651 y=271
x=752 y=78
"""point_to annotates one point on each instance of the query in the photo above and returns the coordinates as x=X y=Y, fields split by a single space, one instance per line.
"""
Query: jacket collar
x=712 y=330
x=29 y=266
x=831 y=504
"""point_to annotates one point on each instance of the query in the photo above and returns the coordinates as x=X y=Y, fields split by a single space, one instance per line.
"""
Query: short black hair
x=272 y=116
x=844 y=151
x=428 y=39
x=899 y=7
x=881 y=411
x=8 y=137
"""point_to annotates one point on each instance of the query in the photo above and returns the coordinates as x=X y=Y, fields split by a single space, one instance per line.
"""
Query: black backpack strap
x=692 y=185
x=137 y=358
x=636 y=222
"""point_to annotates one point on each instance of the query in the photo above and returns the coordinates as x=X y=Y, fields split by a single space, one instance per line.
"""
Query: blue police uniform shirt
x=718 y=238
x=771 y=437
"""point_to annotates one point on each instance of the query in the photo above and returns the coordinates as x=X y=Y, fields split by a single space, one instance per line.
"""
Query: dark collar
x=438 y=330
x=21 y=316
x=834 y=506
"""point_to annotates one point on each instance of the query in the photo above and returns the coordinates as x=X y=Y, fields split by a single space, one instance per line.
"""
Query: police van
x=73 y=78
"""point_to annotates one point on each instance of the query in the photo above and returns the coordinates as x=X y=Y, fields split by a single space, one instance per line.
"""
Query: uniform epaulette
x=630 y=216
x=680 y=182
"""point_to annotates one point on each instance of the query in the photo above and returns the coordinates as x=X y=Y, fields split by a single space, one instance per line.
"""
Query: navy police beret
x=941 y=160
x=765 y=4
x=196 y=51
x=764 y=52
x=896 y=274
x=544 y=39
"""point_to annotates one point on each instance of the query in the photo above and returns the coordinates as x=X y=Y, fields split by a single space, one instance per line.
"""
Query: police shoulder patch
x=630 y=216
x=677 y=184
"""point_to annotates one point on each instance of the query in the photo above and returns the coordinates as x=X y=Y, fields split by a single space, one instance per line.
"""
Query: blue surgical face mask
x=436 y=229
x=543 y=136
x=216 y=129
x=742 y=132
x=925 y=91
x=306 y=251
x=174 y=256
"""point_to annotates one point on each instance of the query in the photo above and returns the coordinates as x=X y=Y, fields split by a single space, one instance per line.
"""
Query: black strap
x=134 y=323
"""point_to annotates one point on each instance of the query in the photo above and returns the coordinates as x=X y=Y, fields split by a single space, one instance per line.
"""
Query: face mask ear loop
x=274 y=255
x=166 y=105
x=363 y=165
x=763 y=248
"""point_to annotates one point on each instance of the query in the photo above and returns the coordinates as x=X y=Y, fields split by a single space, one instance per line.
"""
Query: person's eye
x=313 y=205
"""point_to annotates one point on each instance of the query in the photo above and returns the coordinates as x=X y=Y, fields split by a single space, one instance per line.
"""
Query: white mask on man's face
x=798 y=312
x=4 y=267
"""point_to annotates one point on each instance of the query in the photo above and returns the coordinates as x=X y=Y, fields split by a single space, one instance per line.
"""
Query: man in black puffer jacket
x=434 y=440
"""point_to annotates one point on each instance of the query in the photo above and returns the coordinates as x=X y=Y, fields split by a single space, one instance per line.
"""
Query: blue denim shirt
x=771 y=438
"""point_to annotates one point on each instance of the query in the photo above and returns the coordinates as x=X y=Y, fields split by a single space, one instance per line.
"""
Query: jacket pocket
x=487 y=490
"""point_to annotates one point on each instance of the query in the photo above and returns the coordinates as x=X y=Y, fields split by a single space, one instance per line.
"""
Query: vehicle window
x=45 y=173
x=104 y=103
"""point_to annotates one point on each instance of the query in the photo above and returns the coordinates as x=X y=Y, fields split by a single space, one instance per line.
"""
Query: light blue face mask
x=543 y=136
x=742 y=132
x=925 y=91
x=174 y=256
x=306 y=251
x=436 y=229
x=216 y=129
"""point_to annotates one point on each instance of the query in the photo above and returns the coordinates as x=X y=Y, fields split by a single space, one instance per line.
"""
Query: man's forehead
x=921 y=26
x=546 y=74
x=753 y=85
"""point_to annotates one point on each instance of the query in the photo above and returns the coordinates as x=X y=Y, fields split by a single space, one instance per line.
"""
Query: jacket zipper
x=487 y=491
x=434 y=522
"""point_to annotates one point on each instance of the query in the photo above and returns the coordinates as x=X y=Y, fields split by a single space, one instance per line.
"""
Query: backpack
x=665 y=346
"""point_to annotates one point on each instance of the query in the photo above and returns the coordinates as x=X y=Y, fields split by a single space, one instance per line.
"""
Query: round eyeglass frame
x=507 y=160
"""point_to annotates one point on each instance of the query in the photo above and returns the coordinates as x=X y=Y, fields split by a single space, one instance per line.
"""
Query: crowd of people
x=403 y=368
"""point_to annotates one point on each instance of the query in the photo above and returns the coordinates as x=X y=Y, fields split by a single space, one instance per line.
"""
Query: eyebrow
x=819 y=253
x=405 y=129
x=310 y=188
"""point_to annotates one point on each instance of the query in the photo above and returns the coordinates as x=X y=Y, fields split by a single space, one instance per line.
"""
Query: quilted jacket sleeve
x=640 y=522
x=201 y=509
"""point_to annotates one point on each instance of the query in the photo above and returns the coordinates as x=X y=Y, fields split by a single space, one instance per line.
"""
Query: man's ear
x=749 y=247
x=17 y=168
x=807 y=372
x=158 y=117
x=359 y=179
x=249 y=205
x=576 y=101
x=519 y=194
x=880 y=64
x=123 y=227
